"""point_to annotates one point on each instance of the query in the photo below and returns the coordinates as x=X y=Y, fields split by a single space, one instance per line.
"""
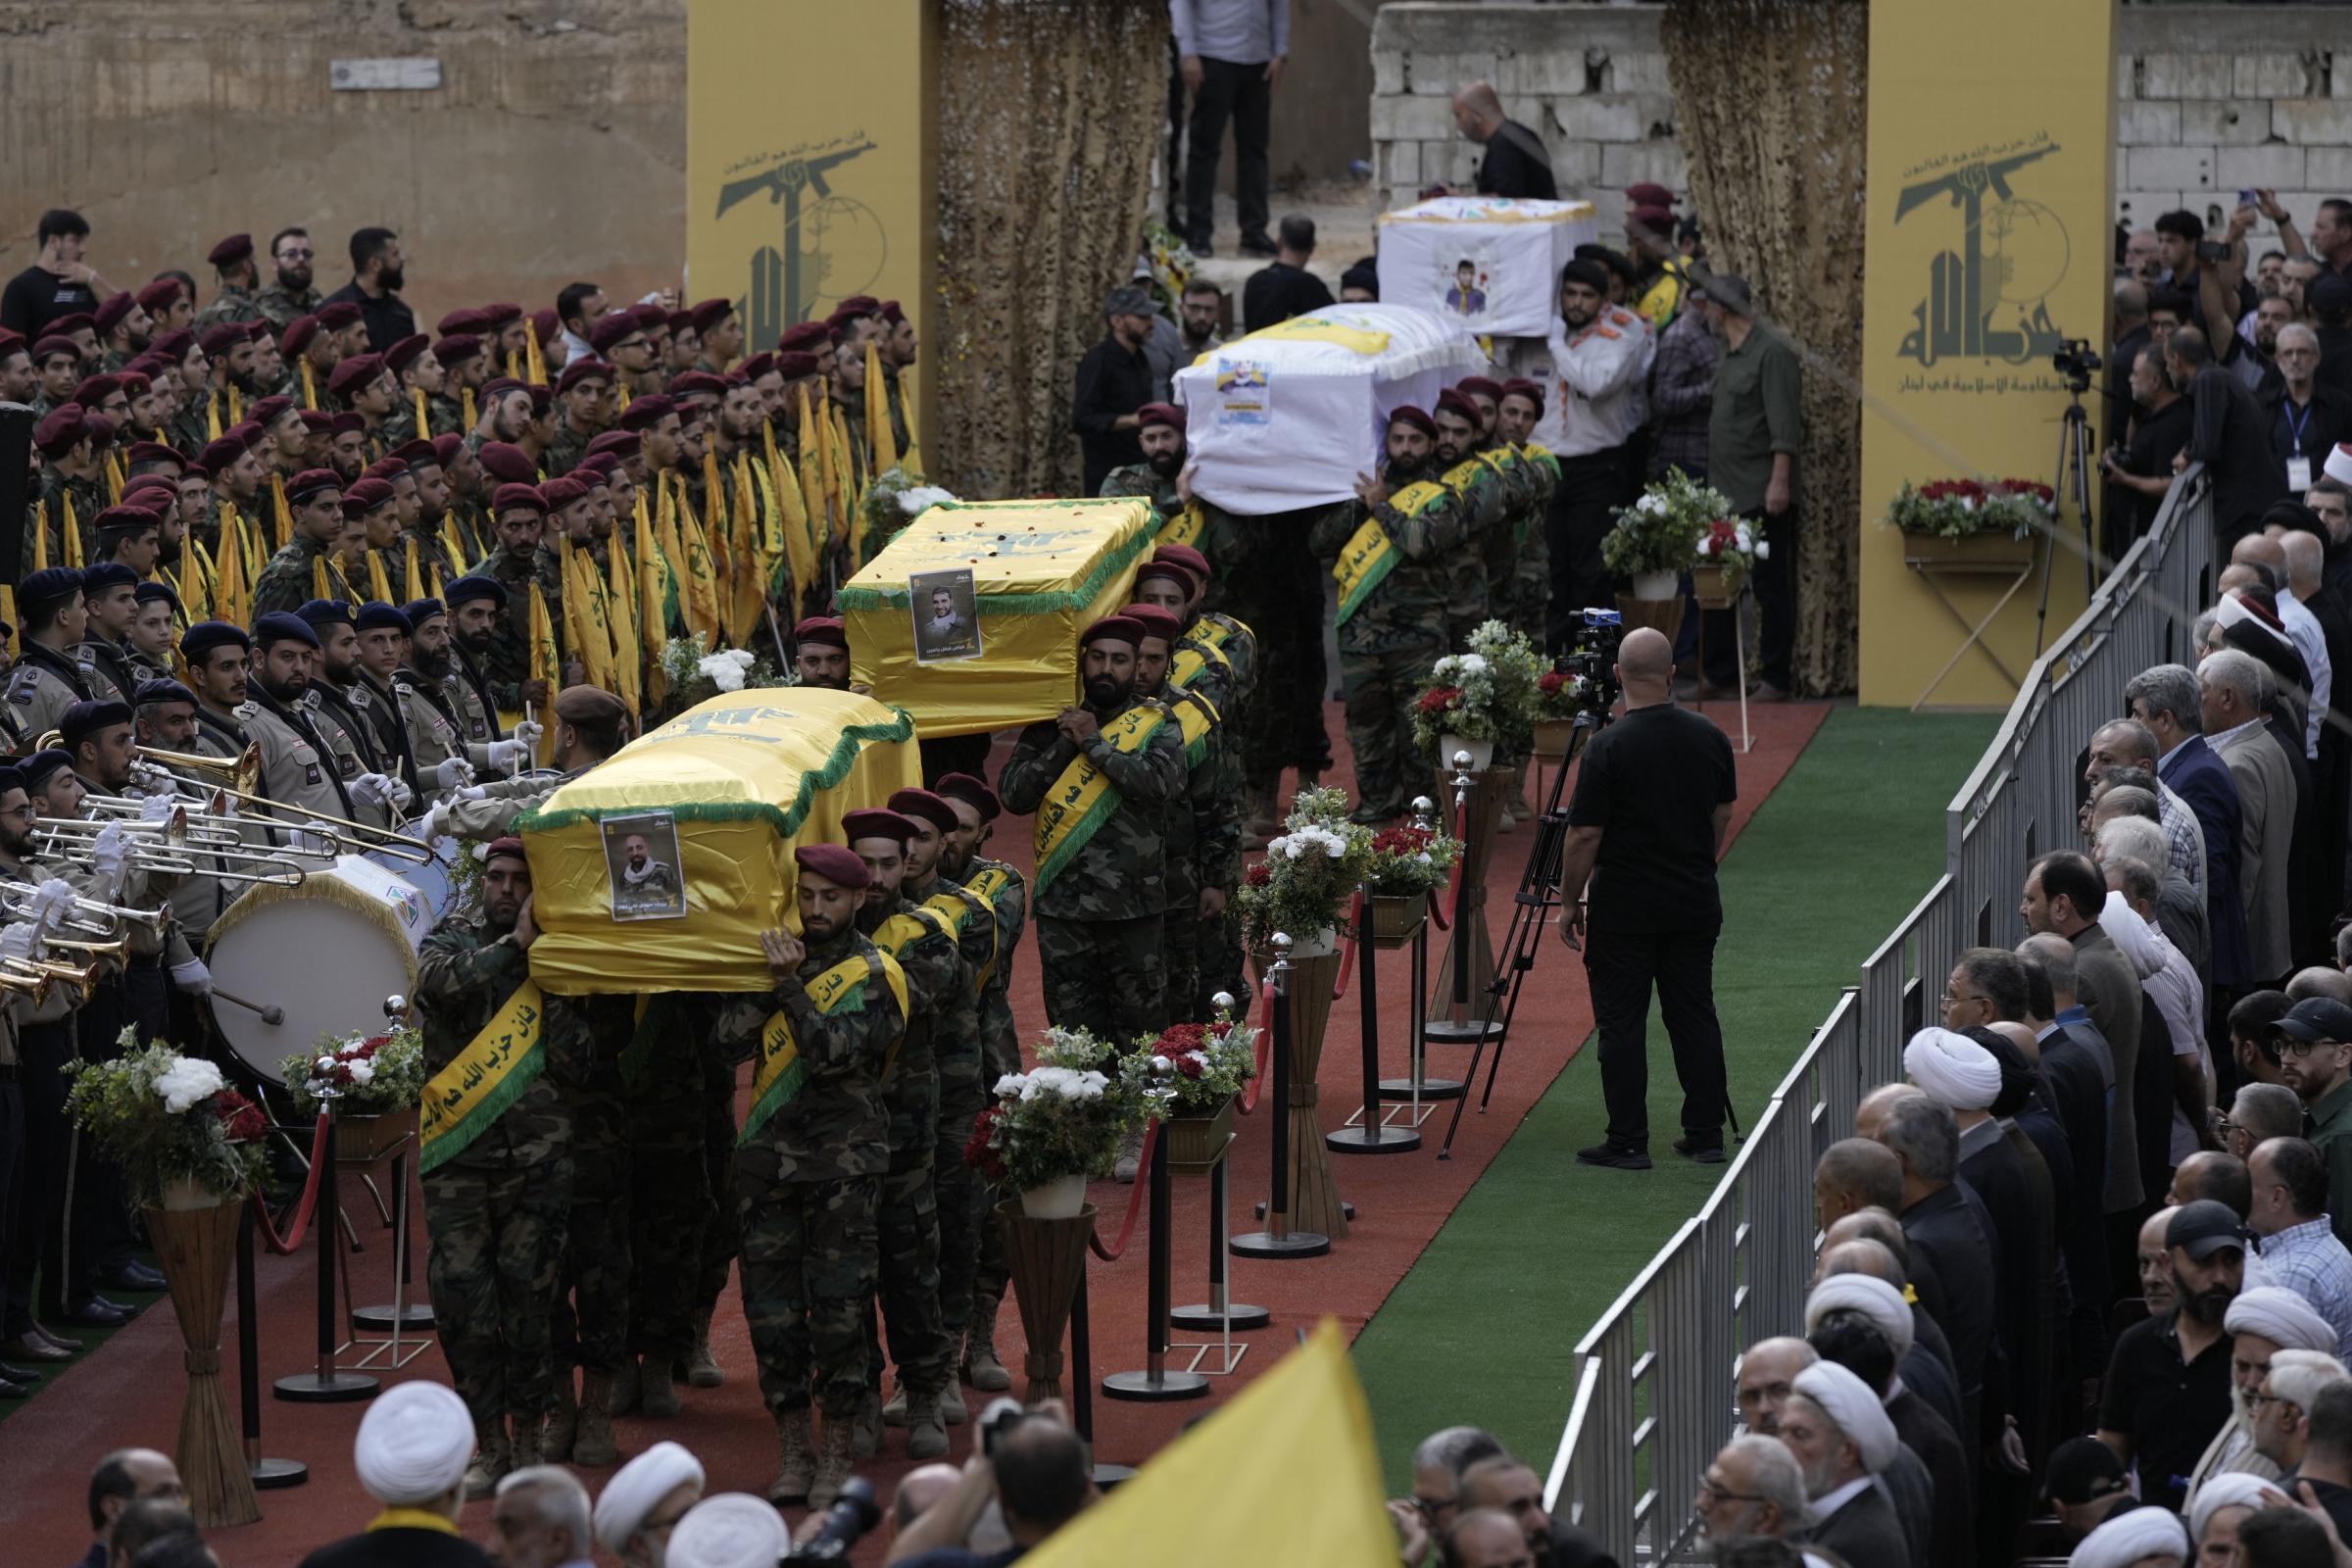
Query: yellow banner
x=1039 y=573
x=717 y=799
x=1360 y=340
x=463 y=1099
x=1990 y=215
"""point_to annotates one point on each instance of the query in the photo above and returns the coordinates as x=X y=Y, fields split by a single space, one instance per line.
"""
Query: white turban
x=2230 y=609
x=2280 y=1317
x=1849 y=1401
x=638 y=1487
x=1953 y=1069
x=730 y=1530
x=2231 y=1489
x=2339 y=463
x=413 y=1444
x=1869 y=1295
x=2128 y=1536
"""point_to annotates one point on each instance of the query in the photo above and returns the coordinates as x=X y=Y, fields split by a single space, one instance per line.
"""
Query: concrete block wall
x=2209 y=100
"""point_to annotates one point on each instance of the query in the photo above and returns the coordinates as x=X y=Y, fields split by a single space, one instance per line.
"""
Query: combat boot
x=865 y=1430
x=491 y=1460
x=564 y=1422
x=797 y=1464
x=702 y=1368
x=835 y=1462
x=1259 y=819
x=593 y=1444
x=657 y=1395
x=894 y=1409
x=950 y=1403
x=926 y=1427
x=625 y=1386
x=981 y=1369
x=528 y=1446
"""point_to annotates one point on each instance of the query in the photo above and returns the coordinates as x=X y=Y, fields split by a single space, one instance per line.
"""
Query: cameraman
x=1652 y=799
x=1036 y=1470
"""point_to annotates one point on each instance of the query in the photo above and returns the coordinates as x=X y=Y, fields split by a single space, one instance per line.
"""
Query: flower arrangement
x=1406 y=860
x=1560 y=695
x=1172 y=264
x=1486 y=694
x=1954 y=509
x=894 y=499
x=697 y=674
x=1661 y=530
x=1193 y=1068
x=168 y=1119
x=1309 y=872
x=370 y=1074
x=1732 y=544
x=1061 y=1118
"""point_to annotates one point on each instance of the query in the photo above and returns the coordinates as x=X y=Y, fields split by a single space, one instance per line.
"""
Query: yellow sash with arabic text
x=1083 y=797
x=782 y=1075
x=463 y=1099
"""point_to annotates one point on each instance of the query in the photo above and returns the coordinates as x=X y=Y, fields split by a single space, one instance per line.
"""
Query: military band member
x=218 y=656
x=383 y=648
x=163 y=717
x=445 y=758
x=474 y=603
x=298 y=769
x=154 y=627
x=48 y=679
x=337 y=707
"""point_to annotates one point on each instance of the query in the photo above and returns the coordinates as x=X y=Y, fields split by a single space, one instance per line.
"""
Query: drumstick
x=514 y=763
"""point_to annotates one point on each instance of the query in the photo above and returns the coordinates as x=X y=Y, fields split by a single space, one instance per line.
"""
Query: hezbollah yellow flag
x=285 y=512
x=747 y=583
x=715 y=522
x=702 y=576
x=196 y=584
x=236 y=407
x=545 y=665
x=466 y=406
x=653 y=608
x=72 y=534
x=319 y=584
x=788 y=528
x=211 y=418
x=424 y=425
x=453 y=544
x=907 y=418
x=818 y=435
x=532 y=360
x=881 y=445
x=40 y=539
x=586 y=637
x=1290 y=1464
x=379 y=581
x=621 y=603
x=114 y=481
x=416 y=578
x=310 y=386
x=232 y=590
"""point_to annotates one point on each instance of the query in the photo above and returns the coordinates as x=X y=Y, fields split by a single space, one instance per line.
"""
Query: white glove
x=503 y=753
x=158 y=807
x=107 y=849
x=371 y=789
x=401 y=795
x=454 y=774
x=53 y=903
x=436 y=824
x=471 y=791
x=527 y=733
x=21 y=941
x=323 y=840
x=193 y=976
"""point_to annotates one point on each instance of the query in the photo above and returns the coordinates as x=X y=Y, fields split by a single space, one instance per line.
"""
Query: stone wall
x=2210 y=100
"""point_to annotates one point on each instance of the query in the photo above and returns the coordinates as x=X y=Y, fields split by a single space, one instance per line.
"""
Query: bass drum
x=437 y=877
x=325 y=955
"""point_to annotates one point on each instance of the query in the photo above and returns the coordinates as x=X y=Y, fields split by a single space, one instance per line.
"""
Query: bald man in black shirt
x=1515 y=162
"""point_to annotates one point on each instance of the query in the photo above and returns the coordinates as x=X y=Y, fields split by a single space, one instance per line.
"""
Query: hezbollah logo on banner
x=1083 y=797
x=782 y=1075
x=463 y=1099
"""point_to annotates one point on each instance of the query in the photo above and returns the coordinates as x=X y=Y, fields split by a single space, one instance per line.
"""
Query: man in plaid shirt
x=1682 y=387
x=2299 y=1248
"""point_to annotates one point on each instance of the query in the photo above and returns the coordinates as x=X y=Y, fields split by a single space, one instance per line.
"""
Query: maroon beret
x=543 y=326
x=10 y=342
x=349 y=423
x=388 y=467
x=111 y=311
x=927 y=806
x=51 y=346
x=892 y=314
x=758 y=365
x=974 y=791
x=876 y=825
x=502 y=460
x=542 y=400
x=1454 y=401
x=1480 y=386
x=248 y=433
x=363 y=495
x=509 y=848
x=97 y=389
x=231 y=251
x=681 y=322
x=266 y=411
x=689 y=383
x=1112 y=629
x=1519 y=386
x=793 y=365
x=136 y=383
x=61 y=429
x=562 y=491
x=152 y=452
x=317 y=424
x=1406 y=413
x=126 y=517
x=622 y=444
x=644 y=413
x=173 y=345
x=446 y=449
x=158 y=297
x=807 y=337
x=610 y=327
x=312 y=483
x=1648 y=194
x=162 y=486
x=830 y=863
x=499 y=386
x=517 y=498
x=499 y=315
x=223 y=336
x=1187 y=557
x=710 y=313
x=603 y=465
x=298 y=334
x=1176 y=571
x=336 y=315
x=466 y=318
x=860 y=305
x=415 y=452
x=826 y=631
x=579 y=370
x=403 y=354
x=1160 y=414
x=1155 y=621
x=457 y=348
x=102 y=430
x=79 y=322
x=355 y=374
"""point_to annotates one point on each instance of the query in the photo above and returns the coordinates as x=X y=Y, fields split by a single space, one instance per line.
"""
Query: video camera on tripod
x=1593 y=661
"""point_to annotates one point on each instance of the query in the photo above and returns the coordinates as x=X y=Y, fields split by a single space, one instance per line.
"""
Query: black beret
x=326 y=612
x=107 y=574
x=48 y=586
x=85 y=719
x=12 y=778
x=41 y=765
x=281 y=628
x=150 y=593
x=163 y=691
x=207 y=635
x=421 y=610
x=377 y=615
x=467 y=589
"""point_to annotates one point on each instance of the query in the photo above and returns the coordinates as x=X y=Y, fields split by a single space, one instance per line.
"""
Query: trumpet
x=171 y=850
x=36 y=986
x=46 y=969
x=118 y=949
x=152 y=919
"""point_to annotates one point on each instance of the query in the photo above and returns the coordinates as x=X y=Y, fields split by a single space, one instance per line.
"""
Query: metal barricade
x=1655 y=1374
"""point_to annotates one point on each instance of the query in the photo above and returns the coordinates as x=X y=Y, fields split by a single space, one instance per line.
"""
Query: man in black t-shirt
x=1515 y=162
x=1652 y=799
x=59 y=283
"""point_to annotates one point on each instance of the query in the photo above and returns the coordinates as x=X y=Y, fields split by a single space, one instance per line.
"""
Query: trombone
x=152 y=919
x=158 y=847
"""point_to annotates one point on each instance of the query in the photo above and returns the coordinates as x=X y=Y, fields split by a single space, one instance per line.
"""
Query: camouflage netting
x=1049 y=110
x=1771 y=104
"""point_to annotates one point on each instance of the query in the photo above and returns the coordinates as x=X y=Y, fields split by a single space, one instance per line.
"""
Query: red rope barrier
x=1437 y=910
x=278 y=1245
x=1265 y=1051
x=1355 y=926
x=1135 y=1198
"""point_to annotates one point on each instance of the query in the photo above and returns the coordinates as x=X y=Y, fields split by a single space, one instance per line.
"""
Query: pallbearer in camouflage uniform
x=1205 y=826
x=591 y=1306
x=1390 y=545
x=976 y=807
x=963 y=1076
x=808 y=1170
x=1101 y=778
x=495 y=1211
x=1159 y=429
x=909 y=1216
x=1516 y=414
x=1485 y=497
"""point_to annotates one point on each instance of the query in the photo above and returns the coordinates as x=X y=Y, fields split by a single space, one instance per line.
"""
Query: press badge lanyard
x=2298 y=466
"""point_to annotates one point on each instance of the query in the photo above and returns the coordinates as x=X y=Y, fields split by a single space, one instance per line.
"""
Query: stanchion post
x=1416 y=1085
x=1371 y=1137
x=1219 y=1314
x=1155 y=1381
x=328 y=1385
x=1082 y=1386
x=1278 y=1239
x=268 y=1474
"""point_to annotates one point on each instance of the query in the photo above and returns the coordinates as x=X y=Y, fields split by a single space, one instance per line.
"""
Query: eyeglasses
x=1952 y=1000
x=1430 y=1507
x=2292 y=1047
x=2257 y=1400
x=1723 y=1494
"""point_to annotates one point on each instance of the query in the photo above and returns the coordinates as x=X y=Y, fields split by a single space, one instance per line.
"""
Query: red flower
x=1402 y=842
x=979 y=1151
x=1438 y=699
x=1221 y=1028
x=1190 y=1065
x=1178 y=1039
x=241 y=1118
x=1552 y=683
x=1257 y=875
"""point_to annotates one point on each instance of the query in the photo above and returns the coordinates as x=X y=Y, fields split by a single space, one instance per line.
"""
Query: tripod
x=2074 y=473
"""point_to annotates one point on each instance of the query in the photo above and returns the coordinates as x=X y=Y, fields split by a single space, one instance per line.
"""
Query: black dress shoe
x=17 y=1374
x=96 y=1313
x=14 y=1391
x=1615 y=1157
x=1258 y=245
x=1709 y=1153
x=132 y=1276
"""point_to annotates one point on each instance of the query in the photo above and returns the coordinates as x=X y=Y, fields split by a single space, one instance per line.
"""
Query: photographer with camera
x=1653 y=796
x=1031 y=1464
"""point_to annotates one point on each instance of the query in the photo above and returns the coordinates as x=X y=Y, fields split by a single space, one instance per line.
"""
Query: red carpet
x=129 y=1392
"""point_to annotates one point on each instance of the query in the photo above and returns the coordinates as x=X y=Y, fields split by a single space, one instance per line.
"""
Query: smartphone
x=2245 y=196
x=2212 y=250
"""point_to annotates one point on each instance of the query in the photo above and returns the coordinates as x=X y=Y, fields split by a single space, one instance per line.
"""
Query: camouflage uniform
x=1387 y=645
x=288 y=581
x=563 y=454
x=721 y=1238
x=234 y=303
x=591 y=1319
x=1488 y=495
x=964 y=1084
x=1227 y=679
x=495 y=1215
x=1100 y=922
x=88 y=495
x=907 y=1218
x=1531 y=573
x=807 y=1185
x=281 y=307
x=508 y=665
x=1203 y=851
x=1140 y=479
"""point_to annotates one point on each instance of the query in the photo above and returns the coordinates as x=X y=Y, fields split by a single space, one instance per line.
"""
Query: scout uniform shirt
x=43 y=685
x=298 y=772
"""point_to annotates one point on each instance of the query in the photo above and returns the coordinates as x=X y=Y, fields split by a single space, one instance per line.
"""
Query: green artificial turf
x=1483 y=1329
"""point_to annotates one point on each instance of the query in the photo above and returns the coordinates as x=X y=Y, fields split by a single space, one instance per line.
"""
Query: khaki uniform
x=345 y=736
x=43 y=686
x=106 y=670
x=434 y=730
x=298 y=772
x=494 y=814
